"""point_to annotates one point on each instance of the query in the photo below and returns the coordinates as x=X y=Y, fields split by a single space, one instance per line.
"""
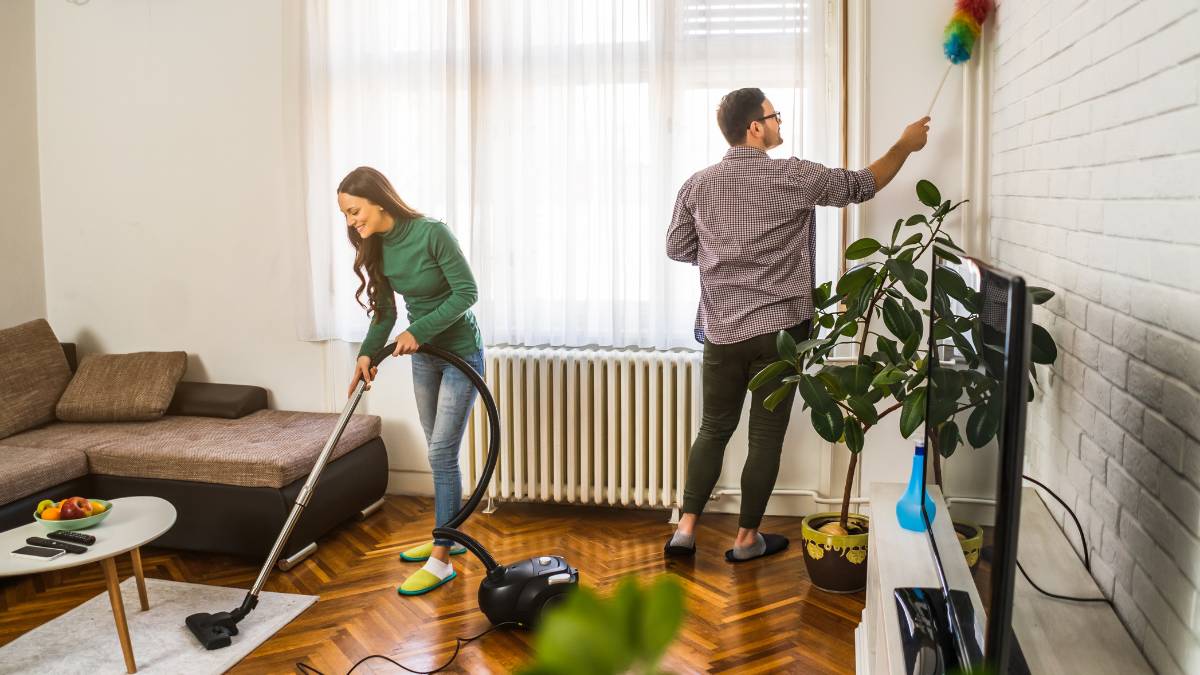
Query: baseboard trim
x=418 y=483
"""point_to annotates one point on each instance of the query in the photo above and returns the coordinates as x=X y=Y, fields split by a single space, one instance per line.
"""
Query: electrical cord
x=1055 y=595
x=1087 y=558
x=459 y=643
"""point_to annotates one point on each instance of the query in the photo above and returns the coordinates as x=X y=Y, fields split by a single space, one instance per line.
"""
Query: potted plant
x=888 y=373
x=972 y=392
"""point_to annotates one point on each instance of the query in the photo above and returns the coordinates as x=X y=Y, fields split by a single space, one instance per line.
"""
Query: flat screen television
x=979 y=346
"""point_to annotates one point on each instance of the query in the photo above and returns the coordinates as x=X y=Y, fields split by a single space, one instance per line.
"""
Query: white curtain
x=552 y=137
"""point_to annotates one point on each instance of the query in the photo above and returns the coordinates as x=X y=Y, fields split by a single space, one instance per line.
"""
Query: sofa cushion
x=122 y=387
x=33 y=374
x=209 y=399
x=269 y=448
x=24 y=471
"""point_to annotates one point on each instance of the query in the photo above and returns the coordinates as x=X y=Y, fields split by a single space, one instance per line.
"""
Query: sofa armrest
x=207 y=399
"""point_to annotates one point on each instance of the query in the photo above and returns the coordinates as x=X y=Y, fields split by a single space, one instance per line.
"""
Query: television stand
x=900 y=559
x=1060 y=636
x=1055 y=637
x=1017 y=665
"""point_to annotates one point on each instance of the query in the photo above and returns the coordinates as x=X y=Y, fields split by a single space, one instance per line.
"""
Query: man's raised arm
x=913 y=139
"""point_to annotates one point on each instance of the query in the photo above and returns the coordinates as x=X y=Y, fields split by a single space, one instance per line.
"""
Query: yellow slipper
x=421 y=553
x=422 y=581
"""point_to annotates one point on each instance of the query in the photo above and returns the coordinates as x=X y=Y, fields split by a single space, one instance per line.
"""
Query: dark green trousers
x=727 y=372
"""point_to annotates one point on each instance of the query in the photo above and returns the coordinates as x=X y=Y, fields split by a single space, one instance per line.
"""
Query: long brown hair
x=373 y=186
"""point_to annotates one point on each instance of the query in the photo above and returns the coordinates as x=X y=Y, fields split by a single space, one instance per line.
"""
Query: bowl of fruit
x=74 y=513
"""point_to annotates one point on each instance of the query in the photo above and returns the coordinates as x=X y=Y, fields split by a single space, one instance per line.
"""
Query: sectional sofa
x=230 y=465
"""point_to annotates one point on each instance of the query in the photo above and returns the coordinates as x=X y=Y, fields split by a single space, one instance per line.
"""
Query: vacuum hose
x=215 y=631
x=449 y=529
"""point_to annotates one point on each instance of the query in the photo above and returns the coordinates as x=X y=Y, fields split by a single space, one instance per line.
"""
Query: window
x=552 y=137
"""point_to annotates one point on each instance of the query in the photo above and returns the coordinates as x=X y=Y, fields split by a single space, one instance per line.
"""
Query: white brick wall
x=1096 y=194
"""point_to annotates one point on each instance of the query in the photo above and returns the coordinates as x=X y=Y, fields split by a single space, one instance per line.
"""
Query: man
x=748 y=222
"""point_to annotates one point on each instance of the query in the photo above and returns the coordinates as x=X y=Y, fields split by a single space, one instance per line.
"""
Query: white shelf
x=1058 y=637
x=899 y=558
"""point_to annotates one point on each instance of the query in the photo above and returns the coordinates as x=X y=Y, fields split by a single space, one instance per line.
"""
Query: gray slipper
x=774 y=544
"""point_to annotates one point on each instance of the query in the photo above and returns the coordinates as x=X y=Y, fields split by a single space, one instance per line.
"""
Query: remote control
x=72 y=537
x=50 y=543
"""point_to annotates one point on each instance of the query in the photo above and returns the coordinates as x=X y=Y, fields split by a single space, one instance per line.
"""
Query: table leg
x=136 y=556
x=118 y=608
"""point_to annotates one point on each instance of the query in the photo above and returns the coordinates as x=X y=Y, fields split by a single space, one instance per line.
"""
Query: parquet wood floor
x=758 y=617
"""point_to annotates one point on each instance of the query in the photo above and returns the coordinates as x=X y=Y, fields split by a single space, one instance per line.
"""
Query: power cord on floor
x=459 y=643
x=1087 y=558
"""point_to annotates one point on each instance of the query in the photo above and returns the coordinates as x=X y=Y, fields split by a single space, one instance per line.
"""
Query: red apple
x=70 y=511
x=84 y=505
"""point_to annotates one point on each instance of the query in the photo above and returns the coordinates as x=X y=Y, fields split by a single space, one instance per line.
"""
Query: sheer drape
x=552 y=136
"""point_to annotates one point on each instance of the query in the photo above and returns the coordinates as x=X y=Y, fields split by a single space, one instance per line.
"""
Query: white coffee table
x=134 y=521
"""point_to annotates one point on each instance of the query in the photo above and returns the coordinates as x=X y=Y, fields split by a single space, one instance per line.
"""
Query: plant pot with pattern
x=970 y=538
x=836 y=562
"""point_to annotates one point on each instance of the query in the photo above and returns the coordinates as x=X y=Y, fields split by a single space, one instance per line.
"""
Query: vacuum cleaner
x=517 y=593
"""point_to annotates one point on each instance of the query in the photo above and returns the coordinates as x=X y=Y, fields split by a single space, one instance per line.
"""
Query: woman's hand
x=362 y=371
x=406 y=344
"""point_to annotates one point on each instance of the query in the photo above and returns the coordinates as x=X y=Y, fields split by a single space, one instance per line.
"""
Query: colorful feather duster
x=961 y=34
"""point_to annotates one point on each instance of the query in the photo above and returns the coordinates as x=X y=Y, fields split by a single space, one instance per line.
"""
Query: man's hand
x=915 y=135
x=913 y=139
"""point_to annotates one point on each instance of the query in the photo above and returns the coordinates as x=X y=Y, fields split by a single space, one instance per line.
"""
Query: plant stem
x=845 y=516
x=862 y=344
x=937 y=463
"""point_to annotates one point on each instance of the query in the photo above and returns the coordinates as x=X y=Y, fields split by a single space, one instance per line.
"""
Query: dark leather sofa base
x=20 y=512
x=243 y=521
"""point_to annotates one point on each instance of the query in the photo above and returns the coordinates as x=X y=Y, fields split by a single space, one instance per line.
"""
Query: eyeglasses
x=777 y=115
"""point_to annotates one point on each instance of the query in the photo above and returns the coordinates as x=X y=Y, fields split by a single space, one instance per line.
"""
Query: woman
x=399 y=250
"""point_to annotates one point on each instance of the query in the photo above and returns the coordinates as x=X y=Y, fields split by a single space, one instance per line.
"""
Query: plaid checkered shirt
x=749 y=224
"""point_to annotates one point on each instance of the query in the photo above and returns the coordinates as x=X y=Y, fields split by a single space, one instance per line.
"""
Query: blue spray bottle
x=908 y=509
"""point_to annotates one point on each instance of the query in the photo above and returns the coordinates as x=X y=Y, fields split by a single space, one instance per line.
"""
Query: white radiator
x=588 y=426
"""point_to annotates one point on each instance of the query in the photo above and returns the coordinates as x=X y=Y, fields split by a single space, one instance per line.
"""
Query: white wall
x=1096 y=175
x=21 y=275
x=163 y=198
x=169 y=178
x=905 y=64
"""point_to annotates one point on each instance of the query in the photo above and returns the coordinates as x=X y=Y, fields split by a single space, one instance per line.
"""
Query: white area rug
x=161 y=641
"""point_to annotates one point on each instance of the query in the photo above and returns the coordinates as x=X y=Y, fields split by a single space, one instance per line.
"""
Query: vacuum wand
x=309 y=485
x=215 y=631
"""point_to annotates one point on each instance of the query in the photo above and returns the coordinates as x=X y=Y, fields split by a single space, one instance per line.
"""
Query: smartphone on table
x=38 y=553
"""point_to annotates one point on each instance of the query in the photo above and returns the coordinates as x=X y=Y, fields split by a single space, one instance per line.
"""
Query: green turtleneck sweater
x=423 y=263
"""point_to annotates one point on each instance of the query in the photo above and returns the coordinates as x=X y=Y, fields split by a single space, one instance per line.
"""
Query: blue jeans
x=444 y=399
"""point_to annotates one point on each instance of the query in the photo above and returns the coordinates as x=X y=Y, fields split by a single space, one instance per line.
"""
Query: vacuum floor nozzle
x=214 y=631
